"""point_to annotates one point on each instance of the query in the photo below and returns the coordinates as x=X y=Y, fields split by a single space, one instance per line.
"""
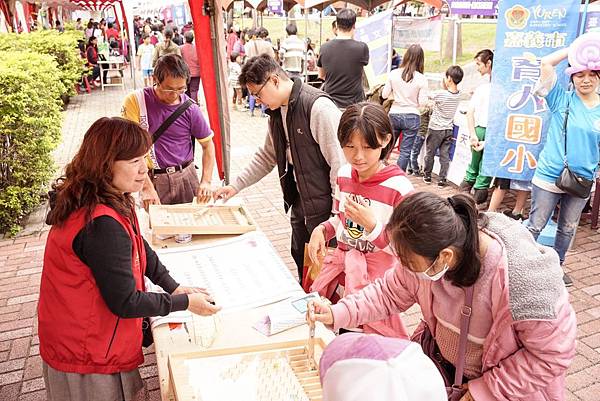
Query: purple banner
x=474 y=7
x=275 y=6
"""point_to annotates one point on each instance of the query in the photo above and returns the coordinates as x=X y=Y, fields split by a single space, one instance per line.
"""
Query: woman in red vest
x=92 y=294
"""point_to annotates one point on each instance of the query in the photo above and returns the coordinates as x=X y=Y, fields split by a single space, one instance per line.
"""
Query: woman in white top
x=409 y=88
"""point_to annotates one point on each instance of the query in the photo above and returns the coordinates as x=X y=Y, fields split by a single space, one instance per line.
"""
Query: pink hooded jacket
x=531 y=342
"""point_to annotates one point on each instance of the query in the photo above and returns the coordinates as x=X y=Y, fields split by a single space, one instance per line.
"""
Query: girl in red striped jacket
x=366 y=193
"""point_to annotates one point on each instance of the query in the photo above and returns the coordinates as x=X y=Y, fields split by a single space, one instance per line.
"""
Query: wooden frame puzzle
x=200 y=219
x=270 y=372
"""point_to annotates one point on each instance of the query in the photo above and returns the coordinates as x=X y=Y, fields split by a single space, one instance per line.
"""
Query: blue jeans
x=542 y=206
x=408 y=124
x=414 y=153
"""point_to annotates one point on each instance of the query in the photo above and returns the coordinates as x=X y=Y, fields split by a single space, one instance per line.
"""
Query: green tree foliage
x=30 y=128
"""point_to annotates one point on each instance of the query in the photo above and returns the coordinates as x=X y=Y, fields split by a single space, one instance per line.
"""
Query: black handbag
x=568 y=181
x=147 y=337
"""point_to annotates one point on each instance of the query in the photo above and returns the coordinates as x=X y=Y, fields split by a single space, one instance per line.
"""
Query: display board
x=200 y=219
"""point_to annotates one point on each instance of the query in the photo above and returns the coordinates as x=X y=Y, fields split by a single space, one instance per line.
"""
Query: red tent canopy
x=210 y=46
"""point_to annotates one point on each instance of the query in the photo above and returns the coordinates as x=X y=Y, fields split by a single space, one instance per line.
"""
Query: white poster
x=241 y=273
x=426 y=32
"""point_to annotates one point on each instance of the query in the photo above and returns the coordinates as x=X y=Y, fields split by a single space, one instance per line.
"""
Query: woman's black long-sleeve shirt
x=105 y=247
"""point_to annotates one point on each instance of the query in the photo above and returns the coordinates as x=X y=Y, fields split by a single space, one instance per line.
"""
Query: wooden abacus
x=200 y=219
x=282 y=370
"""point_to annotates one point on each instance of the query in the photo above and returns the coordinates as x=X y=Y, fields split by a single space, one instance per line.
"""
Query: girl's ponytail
x=425 y=223
x=467 y=270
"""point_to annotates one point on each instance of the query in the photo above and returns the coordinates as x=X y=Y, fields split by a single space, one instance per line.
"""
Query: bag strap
x=465 y=321
x=565 y=132
x=171 y=119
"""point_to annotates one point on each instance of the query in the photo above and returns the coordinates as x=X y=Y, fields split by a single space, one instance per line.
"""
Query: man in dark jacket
x=301 y=141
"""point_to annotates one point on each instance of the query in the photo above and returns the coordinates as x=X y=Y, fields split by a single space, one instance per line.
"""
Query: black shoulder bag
x=568 y=181
x=171 y=119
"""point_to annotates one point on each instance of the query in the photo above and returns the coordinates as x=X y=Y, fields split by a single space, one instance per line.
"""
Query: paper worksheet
x=240 y=273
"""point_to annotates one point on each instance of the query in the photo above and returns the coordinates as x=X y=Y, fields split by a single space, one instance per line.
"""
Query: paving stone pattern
x=21 y=264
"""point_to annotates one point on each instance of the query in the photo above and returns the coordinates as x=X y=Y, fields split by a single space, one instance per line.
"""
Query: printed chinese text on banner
x=376 y=31
x=426 y=32
x=473 y=7
x=516 y=130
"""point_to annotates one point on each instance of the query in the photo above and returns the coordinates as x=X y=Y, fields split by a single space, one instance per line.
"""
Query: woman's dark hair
x=345 y=19
x=171 y=65
x=413 y=60
x=370 y=121
x=425 y=223
x=258 y=69
x=234 y=56
x=87 y=181
x=90 y=40
x=90 y=25
x=485 y=55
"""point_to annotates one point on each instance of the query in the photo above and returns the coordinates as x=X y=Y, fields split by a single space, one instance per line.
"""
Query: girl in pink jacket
x=521 y=339
x=366 y=192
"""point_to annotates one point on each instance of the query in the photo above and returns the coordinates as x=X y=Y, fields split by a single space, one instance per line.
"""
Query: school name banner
x=473 y=7
x=518 y=118
x=426 y=32
x=375 y=31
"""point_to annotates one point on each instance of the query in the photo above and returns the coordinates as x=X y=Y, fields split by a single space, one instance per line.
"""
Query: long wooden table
x=235 y=331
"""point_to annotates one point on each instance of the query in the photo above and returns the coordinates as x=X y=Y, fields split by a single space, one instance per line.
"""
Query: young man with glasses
x=301 y=141
x=172 y=177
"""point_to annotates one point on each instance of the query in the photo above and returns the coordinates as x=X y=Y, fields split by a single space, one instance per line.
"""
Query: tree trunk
x=448 y=47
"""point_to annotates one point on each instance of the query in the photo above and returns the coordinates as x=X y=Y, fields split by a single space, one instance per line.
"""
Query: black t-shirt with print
x=343 y=61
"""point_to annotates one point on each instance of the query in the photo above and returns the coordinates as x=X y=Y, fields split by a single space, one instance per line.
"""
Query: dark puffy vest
x=309 y=177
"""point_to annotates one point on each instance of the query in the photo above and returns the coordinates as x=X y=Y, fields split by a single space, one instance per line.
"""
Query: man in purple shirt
x=172 y=177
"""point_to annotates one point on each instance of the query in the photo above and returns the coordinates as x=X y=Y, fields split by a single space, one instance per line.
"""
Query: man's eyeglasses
x=173 y=91
x=257 y=94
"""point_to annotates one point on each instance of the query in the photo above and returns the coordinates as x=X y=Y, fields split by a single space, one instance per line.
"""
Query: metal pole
x=454 y=40
x=305 y=52
x=584 y=17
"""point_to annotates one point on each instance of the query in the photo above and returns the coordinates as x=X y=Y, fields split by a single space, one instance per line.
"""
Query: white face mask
x=424 y=276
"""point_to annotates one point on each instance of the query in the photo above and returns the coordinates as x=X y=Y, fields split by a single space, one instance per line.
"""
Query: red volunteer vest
x=77 y=331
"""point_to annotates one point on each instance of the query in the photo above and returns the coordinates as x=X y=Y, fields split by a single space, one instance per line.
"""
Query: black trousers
x=301 y=230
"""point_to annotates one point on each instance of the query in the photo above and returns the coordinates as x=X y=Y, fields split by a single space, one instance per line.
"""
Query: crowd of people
x=497 y=322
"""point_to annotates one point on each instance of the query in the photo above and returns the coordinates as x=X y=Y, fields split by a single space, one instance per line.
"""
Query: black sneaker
x=513 y=216
x=567 y=280
x=442 y=183
x=466 y=186
x=427 y=179
x=409 y=171
x=480 y=196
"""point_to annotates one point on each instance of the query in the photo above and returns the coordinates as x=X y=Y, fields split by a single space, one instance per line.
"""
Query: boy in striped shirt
x=439 y=133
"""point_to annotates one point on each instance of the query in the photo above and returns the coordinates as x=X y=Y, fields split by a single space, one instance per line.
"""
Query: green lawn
x=474 y=38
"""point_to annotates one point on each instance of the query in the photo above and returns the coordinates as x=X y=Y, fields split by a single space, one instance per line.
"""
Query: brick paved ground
x=21 y=264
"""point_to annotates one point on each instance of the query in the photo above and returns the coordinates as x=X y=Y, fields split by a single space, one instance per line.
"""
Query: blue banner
x=376 y=32
x=518 y=119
